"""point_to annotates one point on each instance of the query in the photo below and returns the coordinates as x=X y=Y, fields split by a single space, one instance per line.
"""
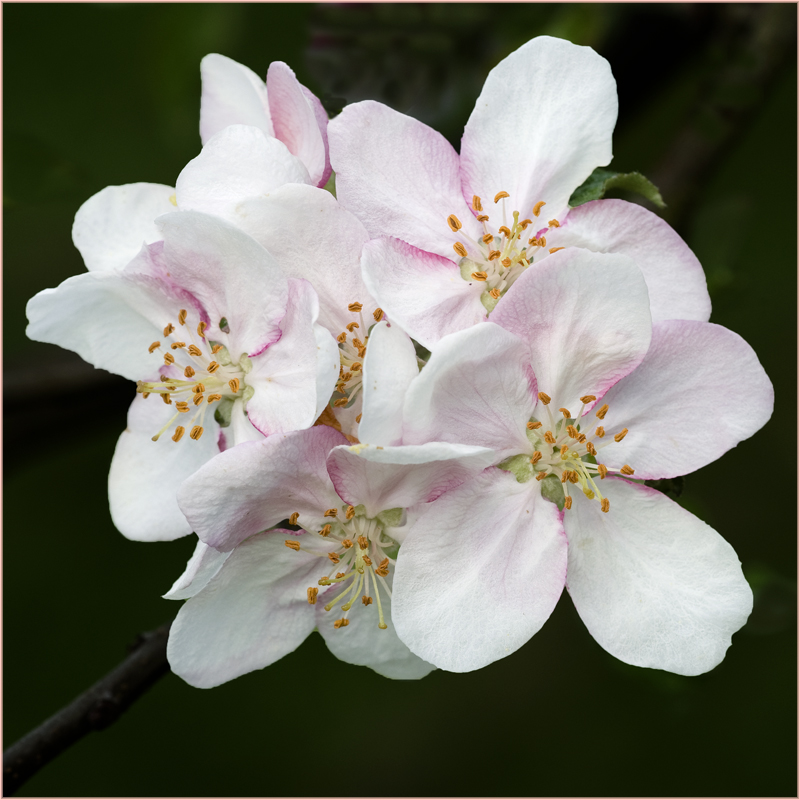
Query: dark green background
x=109 y=94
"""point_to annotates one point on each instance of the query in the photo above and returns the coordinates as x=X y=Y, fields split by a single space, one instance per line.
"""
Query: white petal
x=145 y=475
x=542 y=123
x=656 y=586
x=112 y=225
x=252 y=612
x=204 y=564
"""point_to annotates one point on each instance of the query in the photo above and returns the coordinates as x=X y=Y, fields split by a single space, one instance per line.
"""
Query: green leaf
x=601 y=180
x=553 y=491
x=222 y=413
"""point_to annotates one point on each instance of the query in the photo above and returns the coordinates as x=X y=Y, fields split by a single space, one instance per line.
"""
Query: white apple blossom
x=206 y=321
x=452 y=233
x=575 y=390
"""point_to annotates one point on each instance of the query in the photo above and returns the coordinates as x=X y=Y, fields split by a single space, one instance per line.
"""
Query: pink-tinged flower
x=271 y=587
x=454 y=232
x=575 y=393
x=281 y=108
x=206 y=322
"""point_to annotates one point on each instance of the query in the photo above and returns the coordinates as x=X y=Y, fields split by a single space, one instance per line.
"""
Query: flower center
x=195 y=374
x=359 y=558
x=563 y=450
x=503 y=253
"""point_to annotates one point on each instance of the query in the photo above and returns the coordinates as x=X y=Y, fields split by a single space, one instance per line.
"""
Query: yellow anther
x=197 y=399
x=460 y=249
x=292 y=545
x=554 y=249
x=549 y=438
x=153 y=347
x=454 y=222
x=201 y=330
x=504 y=229
x=234 y=385
x=479 y=276
x=499 y=196
x=179 y=431
x=341 y=623
x=347 y=544
x=476 y=203
x=588 y=398
x=488 y=238
x=621 y=435
x=602 y=471
x=544 y=398
x=532 y=426
x=340 y=574
x=169 y=329
x=567 y=503
x=173 y=198
x=591 y=449
x=326 y=530
x=145 y=395
x=483 y=218
x=188 y=372
x=342 y=401
x=538 y=208
x=589 y=493
x=602 y=411
x=194 y=350
x=366 y=600
x=355 y=307
x=213 y=366
x=166 y=399
x=506 y=262
x=495 y=293
x=627 y=470
x=169 y=358
x=182 y=316
x=494 y=254
x=600 y=431
x=333 y=557
x=565 y=412
x=312 y=595
x=212 y=398
x=537 y=456
x=564 y=451
x=294 y=517
x=331 y=512
x=554 y=223
x=378 y=314
x=383 y=568
x=605 y=505
x=196 y=432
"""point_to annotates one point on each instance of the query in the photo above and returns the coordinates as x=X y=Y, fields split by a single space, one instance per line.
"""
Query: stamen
x=177 y=345
x=626 y=470
x=341 y=623
x=358 y=418
x=378 y=314
x=540 y=475
x=602 y=469
x=555 y=249
x=214 y=397
x=176 y=437
x=600 y=431
x=367 y=560
x=565 y=412
x=537 y=456
x=460 y=249
x=454 y=222
x=292 y=545
x=506 y=262
x=544 y=398
x=602 y=411
x=564 y=451
x=476 y=203
x=532 y=426
x=349 y=512
x=568 y=503
x=201 y=330
x=216 y=348
x=565 y=476
x=213 y=366
x=333 y=557
x=153 y=347
x=488 y=239
x=621 y=435
x=188 y=372
x=331 y=512
x=326 y=530
x=169 y=329
x=366 y=600
x=538 y=208
x=197 y=399
x=500 y=195
x=312 y=595
x=294 y=517
x=589 y=493
x=169 y=358
x=554 y=223
x=479 y=276
x=342 y=401
x=342 y=337
x=194 y=350
x=505 y=230
x=166 y=399
x=234 y=384
x=494 y=255
x=605 y=505
x=495 y=293
x=483 y=218
x=182 y=316
x=383 y=568
x=182 y=406
x=572 y=432
x=355 y=307
x=363 y=542
x=591 y=449
x=549 y=438
x=196 y=432
x=199 y=388
x=588 y=398
x=347 y=544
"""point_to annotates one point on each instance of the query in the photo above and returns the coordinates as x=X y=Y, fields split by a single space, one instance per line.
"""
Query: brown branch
x=94 y=710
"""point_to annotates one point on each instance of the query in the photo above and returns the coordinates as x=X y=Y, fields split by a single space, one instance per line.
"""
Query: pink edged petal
x=542 y=123
x=390 y=364
x=241 y=429
x=112 y=225
x=362 y=642
x=145 y=475
x=324 y=247
x=477 y=388
x=675 y=280
x=252 y=612
x=232 y=95
x=294 y=378
x=699 y=392
x=480 y=572
x=108 y=318
x=400 y=477
x=586 y=317
x=423 y=292
x=295 y=121
x=237 y=163
x=399 y=177
x=321 y=116
x=231 y=275
x=256 y=485
x=204 y=564
x=655 y=586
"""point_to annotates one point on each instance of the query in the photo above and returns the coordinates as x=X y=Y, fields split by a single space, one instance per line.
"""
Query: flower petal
x=699 y=392
x=542 y=123
x=423 y=292
x=295 y=121
x=256 y=485
x=675 y=280
x=232 y=95
x=477 y=388
x=480 y=572
x=586 y=318
x=398 y=176
x=252 y=612
x=294 y=378
x=145 y=475
x=204 y=564
x=390 y=364
x=112 y=225
x=237 y=163
x=362 y=642
x=656 y=586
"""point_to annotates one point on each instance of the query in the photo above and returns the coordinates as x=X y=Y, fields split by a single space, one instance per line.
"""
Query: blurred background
x=99 y=94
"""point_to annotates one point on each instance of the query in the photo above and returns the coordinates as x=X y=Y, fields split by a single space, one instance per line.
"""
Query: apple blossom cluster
x=411 y=413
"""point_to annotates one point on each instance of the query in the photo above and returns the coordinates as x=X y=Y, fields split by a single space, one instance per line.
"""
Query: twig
x=94 y=710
